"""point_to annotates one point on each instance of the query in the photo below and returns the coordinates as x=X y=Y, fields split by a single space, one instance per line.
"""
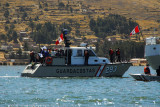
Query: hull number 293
x=111 y=69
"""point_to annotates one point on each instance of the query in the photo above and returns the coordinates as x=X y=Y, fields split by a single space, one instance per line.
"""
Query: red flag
x=60 y=39
x=135 y=30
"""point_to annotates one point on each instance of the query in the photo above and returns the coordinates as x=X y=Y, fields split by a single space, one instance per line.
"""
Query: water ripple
x=50 y=92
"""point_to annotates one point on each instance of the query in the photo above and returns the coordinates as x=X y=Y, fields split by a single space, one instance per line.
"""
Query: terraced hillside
x=78 y=13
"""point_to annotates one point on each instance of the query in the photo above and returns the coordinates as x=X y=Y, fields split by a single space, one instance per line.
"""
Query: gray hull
x=154 y=61
x=107 y=70
x=144 y=77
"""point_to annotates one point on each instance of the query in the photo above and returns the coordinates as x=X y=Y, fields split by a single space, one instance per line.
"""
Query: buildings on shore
x=138 y=61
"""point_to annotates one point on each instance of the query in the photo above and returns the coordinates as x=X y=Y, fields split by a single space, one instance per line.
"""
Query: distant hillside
x=145 y=12
x=78 y=13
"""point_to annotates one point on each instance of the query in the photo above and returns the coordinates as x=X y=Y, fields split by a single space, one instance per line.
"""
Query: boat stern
x=30 y=70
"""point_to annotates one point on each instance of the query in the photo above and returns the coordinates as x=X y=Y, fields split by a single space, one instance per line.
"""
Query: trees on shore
x=112 y=25
x=128 y=49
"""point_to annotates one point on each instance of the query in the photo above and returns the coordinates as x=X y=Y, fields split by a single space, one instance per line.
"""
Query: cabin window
x=79 y=53
x=91 y=53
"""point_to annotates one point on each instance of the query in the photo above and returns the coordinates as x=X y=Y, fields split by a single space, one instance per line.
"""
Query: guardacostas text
x=84 y=70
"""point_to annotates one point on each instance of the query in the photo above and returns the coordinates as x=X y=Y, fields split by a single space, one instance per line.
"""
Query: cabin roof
x=79 y=47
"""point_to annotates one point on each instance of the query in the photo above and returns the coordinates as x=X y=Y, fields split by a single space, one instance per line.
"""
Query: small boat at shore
x=145 y=77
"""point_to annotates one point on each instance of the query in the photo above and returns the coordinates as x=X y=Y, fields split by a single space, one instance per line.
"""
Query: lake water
x=17 y=91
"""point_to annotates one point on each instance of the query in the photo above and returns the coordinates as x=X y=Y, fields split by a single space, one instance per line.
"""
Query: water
x=16 y=91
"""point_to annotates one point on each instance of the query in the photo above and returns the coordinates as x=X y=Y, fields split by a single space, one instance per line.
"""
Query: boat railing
x=151 y=41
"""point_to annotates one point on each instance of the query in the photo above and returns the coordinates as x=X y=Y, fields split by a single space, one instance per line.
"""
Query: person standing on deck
x=32 y=58
x=118 y=55
x=86 y=55
x=40 y=56
x=69 y=56
x=111 y=52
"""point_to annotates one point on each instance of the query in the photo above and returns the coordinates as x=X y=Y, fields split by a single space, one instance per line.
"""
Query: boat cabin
x=76 y=56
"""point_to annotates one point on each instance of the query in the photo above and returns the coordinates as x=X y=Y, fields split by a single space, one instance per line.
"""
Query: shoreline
x=13 y=63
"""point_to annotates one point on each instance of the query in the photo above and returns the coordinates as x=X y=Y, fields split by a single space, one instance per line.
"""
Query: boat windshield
x=91 y=53
x=151 y=41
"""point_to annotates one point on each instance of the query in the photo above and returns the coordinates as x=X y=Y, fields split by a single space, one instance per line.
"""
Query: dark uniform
x=158 y=71
x=111 y=52
x=69 y=56
x=118 y=55
x=32 y=58
x=86 y=55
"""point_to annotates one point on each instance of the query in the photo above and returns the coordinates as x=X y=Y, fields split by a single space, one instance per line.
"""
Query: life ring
x=49 y=60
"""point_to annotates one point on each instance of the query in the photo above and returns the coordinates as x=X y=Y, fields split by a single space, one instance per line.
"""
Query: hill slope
x=145 y=12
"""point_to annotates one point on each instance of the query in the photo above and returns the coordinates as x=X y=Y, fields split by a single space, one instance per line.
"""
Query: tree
x=7 y=21
x=12 y=26
x=65 y=26
x=67 y=7
x=6 y=14
x=26 y=48
x=129 y=49
x=45 y=33
x=71 y=9
x=77 y=25
x=36 y=18
x=6 y=28
x=12 y=55
x=40 y=6
x=31 y=25
x=7 y=4
x=21 y=9
x=111 y=25
x=61 y=4
x=19 y=52
x=9 y=33
x=24 y=16
x=38 y=26
x=46 y=9
x=78 y=33
x=3 y=37
x=45 y=4
x=15 y=36
x=92 y=24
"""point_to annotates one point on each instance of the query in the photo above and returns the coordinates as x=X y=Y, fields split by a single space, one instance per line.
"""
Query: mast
x=66 y=41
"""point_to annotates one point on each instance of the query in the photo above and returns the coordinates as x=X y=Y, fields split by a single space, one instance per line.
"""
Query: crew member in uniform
x=118 y=55
x=147 y=70
x=86 y=55
x=32 y=58
x=111 y=52
x=158 y=71
x=69 y=56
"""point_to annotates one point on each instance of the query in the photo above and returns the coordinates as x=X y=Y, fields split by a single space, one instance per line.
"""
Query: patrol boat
x=152 y=54
x=72 y=64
